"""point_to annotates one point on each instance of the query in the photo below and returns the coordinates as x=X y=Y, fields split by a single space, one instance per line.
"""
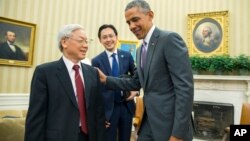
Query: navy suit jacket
x=53 y=112
x=126 y=66
x=7 y=53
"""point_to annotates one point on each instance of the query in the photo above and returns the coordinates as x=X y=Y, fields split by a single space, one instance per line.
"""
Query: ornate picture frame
x=129 y=46
x=208 y=33
x=17 y=39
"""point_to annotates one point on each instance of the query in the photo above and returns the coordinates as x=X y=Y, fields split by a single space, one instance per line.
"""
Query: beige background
x=50 y=15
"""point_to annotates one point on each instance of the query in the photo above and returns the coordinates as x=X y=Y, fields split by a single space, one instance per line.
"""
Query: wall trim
x=14 y=101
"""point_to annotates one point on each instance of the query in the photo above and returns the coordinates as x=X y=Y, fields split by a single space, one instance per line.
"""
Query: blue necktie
x=115 y=73
x=143 y=54
x=115 y=68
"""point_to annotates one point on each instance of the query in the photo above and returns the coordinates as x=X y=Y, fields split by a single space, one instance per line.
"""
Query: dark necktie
x=81 y=99
x=143 y=54
x=115 y=73
x=115 y=68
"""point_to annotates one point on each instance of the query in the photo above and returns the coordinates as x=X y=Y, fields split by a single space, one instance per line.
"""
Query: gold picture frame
x=19 y=51
x=129 y=46
x=208 y=33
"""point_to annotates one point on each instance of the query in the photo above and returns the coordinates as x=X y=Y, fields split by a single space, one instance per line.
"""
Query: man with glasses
x=65 y=99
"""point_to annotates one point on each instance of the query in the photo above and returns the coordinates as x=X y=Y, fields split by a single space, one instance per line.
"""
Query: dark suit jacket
x=167 y=82
x=126 y=66
x=7 y=53
x=53 y=110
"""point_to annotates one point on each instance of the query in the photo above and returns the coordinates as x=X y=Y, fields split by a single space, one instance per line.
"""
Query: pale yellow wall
x=50 y=15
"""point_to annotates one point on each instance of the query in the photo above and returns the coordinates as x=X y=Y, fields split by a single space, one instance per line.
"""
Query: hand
x=132 y=95
x=107 y=124
x=173 y=138
x=102 y=76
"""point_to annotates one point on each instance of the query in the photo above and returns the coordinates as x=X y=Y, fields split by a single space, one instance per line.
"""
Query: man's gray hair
x=66 y=31
x=142 y=4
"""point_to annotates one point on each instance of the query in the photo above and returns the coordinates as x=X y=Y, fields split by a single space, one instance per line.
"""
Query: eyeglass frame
x=81 y=42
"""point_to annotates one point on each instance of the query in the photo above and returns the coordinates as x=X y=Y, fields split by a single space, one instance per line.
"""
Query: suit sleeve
x=177 y=58
x=124 y=84
x=35 y=121
x=131 y=65
x=100 y=114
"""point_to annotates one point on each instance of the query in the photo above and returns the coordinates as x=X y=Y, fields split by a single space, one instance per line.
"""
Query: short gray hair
x=66 y=31
x=142 y=4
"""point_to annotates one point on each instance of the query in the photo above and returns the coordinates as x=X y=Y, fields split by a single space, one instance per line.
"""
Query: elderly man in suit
x=164 y=73
x=65 y=99
x=119 y=110
x=8 y=50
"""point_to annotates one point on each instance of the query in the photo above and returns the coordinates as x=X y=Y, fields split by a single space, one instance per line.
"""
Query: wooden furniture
x=138 y=113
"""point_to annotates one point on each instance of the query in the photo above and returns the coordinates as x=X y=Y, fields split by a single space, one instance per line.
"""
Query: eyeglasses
x=81 y=42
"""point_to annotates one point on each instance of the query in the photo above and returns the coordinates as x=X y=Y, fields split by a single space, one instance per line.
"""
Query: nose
x=109 y=38
x=85 y=44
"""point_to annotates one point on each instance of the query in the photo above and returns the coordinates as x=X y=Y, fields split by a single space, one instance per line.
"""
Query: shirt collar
x=110 y=53
x=147 y=38
x=69 y=64
x=10 y=43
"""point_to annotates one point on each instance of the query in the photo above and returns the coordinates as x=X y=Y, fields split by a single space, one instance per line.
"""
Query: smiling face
x=108 y=39
x=139 y=21
x=75 y=47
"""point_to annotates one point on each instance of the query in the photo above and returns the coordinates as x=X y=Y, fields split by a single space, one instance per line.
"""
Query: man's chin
x=83 y=56
x=139 y=37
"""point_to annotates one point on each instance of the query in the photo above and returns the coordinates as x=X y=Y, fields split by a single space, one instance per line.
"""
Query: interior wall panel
x=50 y=15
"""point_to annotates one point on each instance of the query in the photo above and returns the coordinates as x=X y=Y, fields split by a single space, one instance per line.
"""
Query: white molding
x=14 y=101
x=223 y=83
x=221 y=77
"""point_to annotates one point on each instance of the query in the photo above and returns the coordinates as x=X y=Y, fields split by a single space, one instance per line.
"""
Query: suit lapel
x=65 y=80
x=105 y=60
x=150 y=53
x=121 y=60
x=138 y=62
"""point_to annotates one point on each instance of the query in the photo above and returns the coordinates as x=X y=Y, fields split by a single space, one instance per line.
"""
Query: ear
x=64 y=43
x=151 y=14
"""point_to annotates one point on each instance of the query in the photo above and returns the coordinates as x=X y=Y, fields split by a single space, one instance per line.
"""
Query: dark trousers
x=82 y=136
x=121 y=124
x=145 y=133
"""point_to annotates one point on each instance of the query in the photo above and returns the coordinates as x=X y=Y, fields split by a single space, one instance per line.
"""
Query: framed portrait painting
x=208 y=33
x=17 y=40
x=129 y=46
